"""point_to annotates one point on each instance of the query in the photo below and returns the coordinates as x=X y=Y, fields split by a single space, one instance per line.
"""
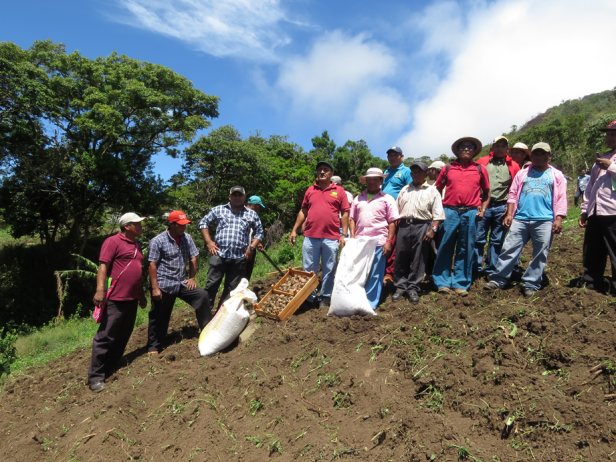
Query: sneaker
x=528 y=292
x=491 y=286
x=444 y=290
x=397 y=297
x=461 y=292
x=413 y=297
x=324 y=303
x=98 y=386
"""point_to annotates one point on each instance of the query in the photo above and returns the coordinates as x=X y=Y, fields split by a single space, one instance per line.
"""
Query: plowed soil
x=490 y=377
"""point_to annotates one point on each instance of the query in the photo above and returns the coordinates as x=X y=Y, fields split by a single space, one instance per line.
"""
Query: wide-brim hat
x=610 y=127
x=475 y=141
x=521 y=146
x=372 y=173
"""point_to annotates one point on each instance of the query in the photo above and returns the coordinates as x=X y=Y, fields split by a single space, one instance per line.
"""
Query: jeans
x=540 y=234
x=576 y=198
x=313 y=251
x=374 y=282
x=493 y=223
x=457 y=241
x=232 y=269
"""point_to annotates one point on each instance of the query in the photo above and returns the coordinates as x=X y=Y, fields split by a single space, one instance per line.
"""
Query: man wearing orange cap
x=599 y=215
x=169 y=254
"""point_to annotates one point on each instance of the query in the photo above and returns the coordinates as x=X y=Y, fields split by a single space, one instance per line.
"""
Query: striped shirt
x=233 y=230
x=420 y=203
x=171 y=260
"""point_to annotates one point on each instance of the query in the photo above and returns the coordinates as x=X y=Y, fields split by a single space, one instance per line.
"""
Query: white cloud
x=342 y=82
x=509 y=61
x=245 y=28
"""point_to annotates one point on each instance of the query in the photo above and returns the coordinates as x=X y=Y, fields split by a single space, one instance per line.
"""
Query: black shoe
x=325 y=303
x=413 y=297
x=397 y=297
x=98 y=386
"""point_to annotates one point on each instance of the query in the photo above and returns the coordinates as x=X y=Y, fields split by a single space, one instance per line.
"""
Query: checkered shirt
x=171 y=260
x=233 y=230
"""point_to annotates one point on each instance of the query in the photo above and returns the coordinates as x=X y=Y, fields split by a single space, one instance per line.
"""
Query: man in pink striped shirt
x=599 y=215
x=374 y=214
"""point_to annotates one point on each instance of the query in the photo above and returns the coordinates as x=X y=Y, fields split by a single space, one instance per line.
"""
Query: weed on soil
x=489 y=377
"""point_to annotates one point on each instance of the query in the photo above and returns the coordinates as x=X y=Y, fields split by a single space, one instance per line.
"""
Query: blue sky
x=418 y=74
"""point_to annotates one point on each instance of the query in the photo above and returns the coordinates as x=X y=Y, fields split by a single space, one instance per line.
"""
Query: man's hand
x=292 y=237
x=557 y=226
x=143 y=302
x=603 y=164
x=190 y=283
x=429 y=236
x=387 y=249
x=213 y=248
x=249 y=254
x=99 y=298
x=507 y=221
x=582 y=220
x=341 y=241
x=480 y=213
x=157 y=294
x=260 y=247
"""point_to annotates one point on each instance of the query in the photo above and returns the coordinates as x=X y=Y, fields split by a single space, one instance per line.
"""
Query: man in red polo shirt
x=121 y=260
x=322 y=204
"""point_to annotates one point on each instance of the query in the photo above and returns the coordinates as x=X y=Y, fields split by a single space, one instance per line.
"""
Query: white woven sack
x=228 y=323
x=349 y=295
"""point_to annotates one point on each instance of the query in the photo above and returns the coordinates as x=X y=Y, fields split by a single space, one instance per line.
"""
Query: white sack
x=228 y=323
x=349 y=295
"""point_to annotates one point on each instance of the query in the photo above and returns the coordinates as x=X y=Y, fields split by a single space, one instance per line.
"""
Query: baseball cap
x=521 y=146
x=543 y=146
x=131 y=217
x=255 y=200
x=498 y=138
x=437 y=164
x=324 y=162
x=421 y=165
x=336 y=180
x=395 y=149
x=179 y=217
x=237 y=189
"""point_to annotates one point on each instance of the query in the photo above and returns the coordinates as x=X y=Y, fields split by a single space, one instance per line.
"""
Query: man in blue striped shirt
x=169 y=254
x=231 y=248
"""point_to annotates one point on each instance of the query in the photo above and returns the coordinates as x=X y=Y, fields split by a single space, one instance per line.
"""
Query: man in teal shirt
x=397 y=176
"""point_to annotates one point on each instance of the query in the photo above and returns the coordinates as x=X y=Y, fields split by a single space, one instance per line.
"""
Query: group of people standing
x=453 y=222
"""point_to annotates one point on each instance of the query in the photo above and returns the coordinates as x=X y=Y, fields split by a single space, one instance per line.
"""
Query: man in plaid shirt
x=169 y=253
x=231 y=249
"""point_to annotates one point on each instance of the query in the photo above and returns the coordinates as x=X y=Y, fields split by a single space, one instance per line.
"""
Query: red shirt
x=323 y=207
x=464 y=184
x=117 y=252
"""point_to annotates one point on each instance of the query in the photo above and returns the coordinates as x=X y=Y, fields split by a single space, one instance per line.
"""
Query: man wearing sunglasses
x=466 y=199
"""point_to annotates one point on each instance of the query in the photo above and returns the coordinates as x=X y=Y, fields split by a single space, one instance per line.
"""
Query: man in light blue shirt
x=397 y=176
x=582 y=182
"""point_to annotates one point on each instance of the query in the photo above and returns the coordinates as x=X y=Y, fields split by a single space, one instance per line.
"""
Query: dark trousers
x=250 y=265
x=576 y=198
x=110 y=341
x=599 y=242
x=391 y=260
x=232 y=269
x=411 y=255
x=160 y=313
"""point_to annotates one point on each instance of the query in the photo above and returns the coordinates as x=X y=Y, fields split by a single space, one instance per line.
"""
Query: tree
x=77 y=137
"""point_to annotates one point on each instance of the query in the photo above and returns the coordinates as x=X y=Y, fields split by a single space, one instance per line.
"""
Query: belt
x=414 y=221
x=497 y=203
x=460 y=209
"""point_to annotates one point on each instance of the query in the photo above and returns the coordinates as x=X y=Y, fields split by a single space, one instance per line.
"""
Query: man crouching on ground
x=120 y=256
x=169 y=254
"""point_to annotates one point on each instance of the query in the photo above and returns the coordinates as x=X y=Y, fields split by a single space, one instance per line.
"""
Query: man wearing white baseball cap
x=374 y=214
x=120 y=260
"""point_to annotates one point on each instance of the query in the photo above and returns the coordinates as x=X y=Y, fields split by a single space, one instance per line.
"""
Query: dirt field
x=493 y=377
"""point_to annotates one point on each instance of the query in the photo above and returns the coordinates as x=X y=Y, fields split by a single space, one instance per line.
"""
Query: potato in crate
x=287 y=295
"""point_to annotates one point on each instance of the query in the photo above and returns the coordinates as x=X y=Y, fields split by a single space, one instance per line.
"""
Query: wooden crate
x=296 y=301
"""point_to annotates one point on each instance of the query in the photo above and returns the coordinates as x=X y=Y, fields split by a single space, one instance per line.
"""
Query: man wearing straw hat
x=466 y=200
x=521 y=154
x=599 y=215
x=374 y=214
